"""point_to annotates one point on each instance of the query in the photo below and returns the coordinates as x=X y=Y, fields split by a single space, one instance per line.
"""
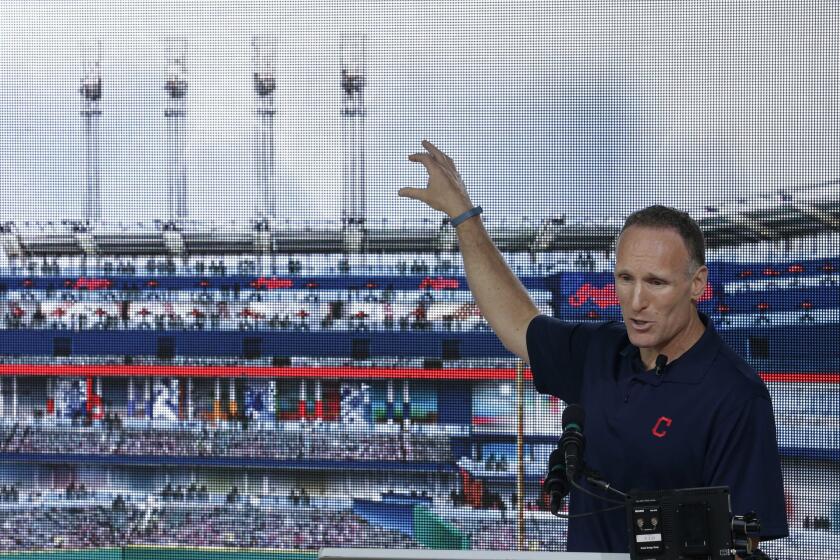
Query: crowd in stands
x=250 y=305
x=299 y=496
x=289 y=310
x=193 y=493
x=189 y=515
x=316 y=264
x=262 y=443
x=245 y=526
x=150 y=266
x=235 y=524
x=77 y=491
x=9 y=493
x=293 y=361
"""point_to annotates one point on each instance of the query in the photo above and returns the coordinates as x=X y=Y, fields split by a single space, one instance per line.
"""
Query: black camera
x=688 y=524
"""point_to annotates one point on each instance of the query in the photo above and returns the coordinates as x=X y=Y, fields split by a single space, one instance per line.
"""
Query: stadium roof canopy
x=774 y=216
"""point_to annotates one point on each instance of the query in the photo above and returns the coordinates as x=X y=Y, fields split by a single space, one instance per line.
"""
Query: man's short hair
x=665 y=217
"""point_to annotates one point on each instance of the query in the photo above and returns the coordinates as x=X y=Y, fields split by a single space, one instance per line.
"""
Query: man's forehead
x=652 y=245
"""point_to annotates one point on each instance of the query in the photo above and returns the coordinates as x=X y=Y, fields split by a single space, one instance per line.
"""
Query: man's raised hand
x=445 y=189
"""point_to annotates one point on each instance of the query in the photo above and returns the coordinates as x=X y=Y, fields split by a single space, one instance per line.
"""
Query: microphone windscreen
x=573 y=414
x=556 y=502
x=556 y=459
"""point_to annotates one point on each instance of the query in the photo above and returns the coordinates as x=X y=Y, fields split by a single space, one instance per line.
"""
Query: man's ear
x=698 y=283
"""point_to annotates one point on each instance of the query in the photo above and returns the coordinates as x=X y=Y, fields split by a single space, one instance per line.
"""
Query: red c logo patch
x=658 y=428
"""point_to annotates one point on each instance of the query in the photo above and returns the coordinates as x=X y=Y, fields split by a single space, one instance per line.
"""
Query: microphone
x=661 y=362
x=556 y=485
x=572 y=442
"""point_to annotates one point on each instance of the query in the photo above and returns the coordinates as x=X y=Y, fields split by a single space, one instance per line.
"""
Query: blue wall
x=794 y=348
x=202 y=343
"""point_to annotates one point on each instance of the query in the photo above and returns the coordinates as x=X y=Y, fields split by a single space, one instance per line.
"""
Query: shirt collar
x=691 y=367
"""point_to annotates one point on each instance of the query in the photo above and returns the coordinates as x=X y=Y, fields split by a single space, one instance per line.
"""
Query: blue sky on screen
x=581 y=108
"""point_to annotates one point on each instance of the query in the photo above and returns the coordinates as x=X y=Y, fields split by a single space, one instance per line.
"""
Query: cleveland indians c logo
x=659 y=428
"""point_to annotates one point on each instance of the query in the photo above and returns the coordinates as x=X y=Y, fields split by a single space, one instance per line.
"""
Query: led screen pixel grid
x=221 y=326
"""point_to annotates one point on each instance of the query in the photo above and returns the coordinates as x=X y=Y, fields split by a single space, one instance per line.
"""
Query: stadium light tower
x=264 y=60
x=91 y=91
x=353 y=78
x=176 y=90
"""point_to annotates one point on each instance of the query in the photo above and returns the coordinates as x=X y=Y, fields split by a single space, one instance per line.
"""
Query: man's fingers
x=438 y=155
x=420 y=156
x=427 y=160
x=411 y=192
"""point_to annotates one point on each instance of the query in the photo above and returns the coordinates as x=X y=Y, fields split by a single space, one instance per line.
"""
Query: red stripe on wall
x=346 y=372
x=783 y=377
x=333 y=372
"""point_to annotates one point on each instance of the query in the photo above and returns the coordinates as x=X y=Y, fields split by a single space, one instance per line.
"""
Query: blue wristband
x=458 y=220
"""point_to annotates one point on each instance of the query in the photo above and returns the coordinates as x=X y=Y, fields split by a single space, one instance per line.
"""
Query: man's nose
x=639 y=300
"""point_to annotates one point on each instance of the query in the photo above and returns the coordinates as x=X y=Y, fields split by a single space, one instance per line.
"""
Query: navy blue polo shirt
x=706 y=421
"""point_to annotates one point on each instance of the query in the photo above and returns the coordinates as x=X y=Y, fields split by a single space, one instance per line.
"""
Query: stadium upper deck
x=777 y=215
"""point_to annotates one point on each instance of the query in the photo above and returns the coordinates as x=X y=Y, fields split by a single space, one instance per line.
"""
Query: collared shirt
x=706 y=420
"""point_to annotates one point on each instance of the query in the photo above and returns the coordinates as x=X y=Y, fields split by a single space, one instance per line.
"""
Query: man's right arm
x=500 y=295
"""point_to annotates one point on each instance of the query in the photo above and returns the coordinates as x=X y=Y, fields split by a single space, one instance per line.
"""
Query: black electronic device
x=687 y=524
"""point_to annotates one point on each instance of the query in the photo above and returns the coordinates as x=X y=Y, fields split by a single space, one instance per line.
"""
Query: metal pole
x=264 y=54
x=175 y=112
x=91 y=91
x=92 y=200
x=520 y=452
x=353 y=76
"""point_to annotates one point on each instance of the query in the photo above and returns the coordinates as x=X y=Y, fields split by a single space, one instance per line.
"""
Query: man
x=702 y=419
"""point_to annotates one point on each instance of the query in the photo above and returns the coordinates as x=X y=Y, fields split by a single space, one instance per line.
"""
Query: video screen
x=222 y=329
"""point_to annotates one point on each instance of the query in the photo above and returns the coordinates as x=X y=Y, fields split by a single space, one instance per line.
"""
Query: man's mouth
x=640 y=325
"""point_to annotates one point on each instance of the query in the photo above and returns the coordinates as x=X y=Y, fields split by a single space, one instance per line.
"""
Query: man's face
x=656 y=286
